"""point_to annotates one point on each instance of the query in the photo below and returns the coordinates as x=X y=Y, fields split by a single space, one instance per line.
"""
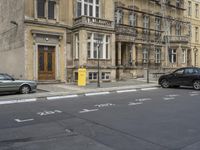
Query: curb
x=56 y=97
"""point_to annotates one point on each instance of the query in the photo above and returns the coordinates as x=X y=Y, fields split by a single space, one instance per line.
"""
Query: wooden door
x=46 y=63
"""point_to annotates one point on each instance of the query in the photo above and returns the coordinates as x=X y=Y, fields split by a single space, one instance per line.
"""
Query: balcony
x=88 y=21
x=177 y=39
x=125 y=33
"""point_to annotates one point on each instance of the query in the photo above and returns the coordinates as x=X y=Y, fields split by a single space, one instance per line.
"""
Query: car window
x=2 y=77
x=189 y=71
x=180 y=71
x=7 y=77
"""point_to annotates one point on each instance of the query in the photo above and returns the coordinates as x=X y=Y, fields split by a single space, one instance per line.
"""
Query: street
x=151 y=119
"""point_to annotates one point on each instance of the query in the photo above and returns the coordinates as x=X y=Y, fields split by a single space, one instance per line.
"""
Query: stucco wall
x=12 y=37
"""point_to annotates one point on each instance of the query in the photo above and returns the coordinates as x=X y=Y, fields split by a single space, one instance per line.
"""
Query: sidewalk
x=48 y=90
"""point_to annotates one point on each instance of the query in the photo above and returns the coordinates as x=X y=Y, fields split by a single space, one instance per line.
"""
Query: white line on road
x=148 y=89
x=100 y=93
x=104 y=105
x=26 y=120
x=17 y=101
x=45 y=113
x=133 y=103
x=61 y=97
x=168 y=98
x=126 y=91
x=88 y=110
x=194 y=94
x=143 y=99
x=172 y=95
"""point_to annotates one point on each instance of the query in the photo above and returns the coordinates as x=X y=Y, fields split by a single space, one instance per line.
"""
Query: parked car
x=9 y=84
x=188 y=76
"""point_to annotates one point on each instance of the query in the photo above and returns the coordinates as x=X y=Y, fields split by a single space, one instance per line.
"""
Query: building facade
x=193 y=15
x=50 y=39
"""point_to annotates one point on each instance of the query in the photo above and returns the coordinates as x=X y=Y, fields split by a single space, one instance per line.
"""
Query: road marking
x=26 y=120
x=168 y=98
x=148 y=89
x=133 y=103
x=61 y=97
x=143 y=99
x=126 y=91
x=88 y=110
x=104 y=105
x=194 y=94
x=100 y=93
x=18 y=101
x=172 y=95
x=45 y=113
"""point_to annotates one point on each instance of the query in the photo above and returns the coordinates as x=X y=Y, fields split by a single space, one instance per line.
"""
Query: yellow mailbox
x=82 y=77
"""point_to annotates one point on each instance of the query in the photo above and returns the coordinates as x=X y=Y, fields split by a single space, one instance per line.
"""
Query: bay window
x=88 y=8
x=101 y=41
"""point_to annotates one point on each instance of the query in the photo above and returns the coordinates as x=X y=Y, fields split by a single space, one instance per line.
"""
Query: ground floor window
x=158 y=55
x=172 y=55
x=145 y=55
x=92 y=75
x=98 y=46
x=105 y=75
x=183 y=56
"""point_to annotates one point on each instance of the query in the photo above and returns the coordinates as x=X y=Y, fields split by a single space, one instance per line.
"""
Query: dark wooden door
x=46 y=63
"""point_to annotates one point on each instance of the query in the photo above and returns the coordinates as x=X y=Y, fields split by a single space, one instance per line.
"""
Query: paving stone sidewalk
x=47 y=90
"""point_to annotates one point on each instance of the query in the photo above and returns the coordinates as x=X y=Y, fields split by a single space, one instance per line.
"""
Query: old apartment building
x=193 y=14
x=50 y=39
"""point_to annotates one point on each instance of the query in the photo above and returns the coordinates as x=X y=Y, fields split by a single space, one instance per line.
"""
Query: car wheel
x=25 y=89
x=165 y=83
x=196 y=85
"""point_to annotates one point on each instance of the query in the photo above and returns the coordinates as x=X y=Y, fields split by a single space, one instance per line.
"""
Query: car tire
x=196 y=84
x=25 y=89
x=165 y=83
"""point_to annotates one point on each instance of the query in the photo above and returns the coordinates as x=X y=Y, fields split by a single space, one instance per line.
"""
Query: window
x=119 y=16
x=197 y=10
x=133 y=19
x=189 y=8
x=92 y=75
x=41 y=8
x=172 y=55
x=146 y=21
x=88 y=8
x=178 y=3
x=178 y=29
x=157 y=26
x=190 y=71
x=158 y=55
x=100 y=41
x=76 y=76
x=145 y=55
x=77 y=46
x=180 y=71
x=51 y=10
x=196 y=34
x=105 y=75
x=183 y=56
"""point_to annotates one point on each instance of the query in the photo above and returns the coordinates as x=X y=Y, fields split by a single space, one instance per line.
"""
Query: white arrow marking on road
x=143 y=99
x=133 y=103
x=45 y=113
x=26 y=120
x=104 y=105
x=88 y=110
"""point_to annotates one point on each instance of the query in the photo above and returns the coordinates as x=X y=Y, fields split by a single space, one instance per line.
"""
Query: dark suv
x=188 y=76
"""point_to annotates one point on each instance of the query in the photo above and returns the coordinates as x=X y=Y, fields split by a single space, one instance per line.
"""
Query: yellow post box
x=82 y=77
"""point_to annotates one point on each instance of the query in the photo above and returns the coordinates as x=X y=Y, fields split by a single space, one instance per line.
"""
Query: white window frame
x=145 y=55
x=87 y=4
x=92 y=75
x=178 y=28
x=119 y=16
x=173 y=54
x=158 y=55
x=103 y=46
x=132 y=19
x=189 y=8
x=106 y=76
x=197 y=10
x=183 y=56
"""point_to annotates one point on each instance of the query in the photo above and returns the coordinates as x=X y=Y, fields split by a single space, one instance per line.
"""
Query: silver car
x=9 y=84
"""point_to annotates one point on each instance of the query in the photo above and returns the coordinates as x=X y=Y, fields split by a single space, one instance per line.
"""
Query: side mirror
x=12 y=79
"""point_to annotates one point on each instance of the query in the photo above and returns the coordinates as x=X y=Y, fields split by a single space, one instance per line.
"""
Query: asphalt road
x=161 y=119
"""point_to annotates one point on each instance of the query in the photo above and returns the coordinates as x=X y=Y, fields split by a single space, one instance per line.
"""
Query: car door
x=177 y=77
x=190 y=74
x=7 y=84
